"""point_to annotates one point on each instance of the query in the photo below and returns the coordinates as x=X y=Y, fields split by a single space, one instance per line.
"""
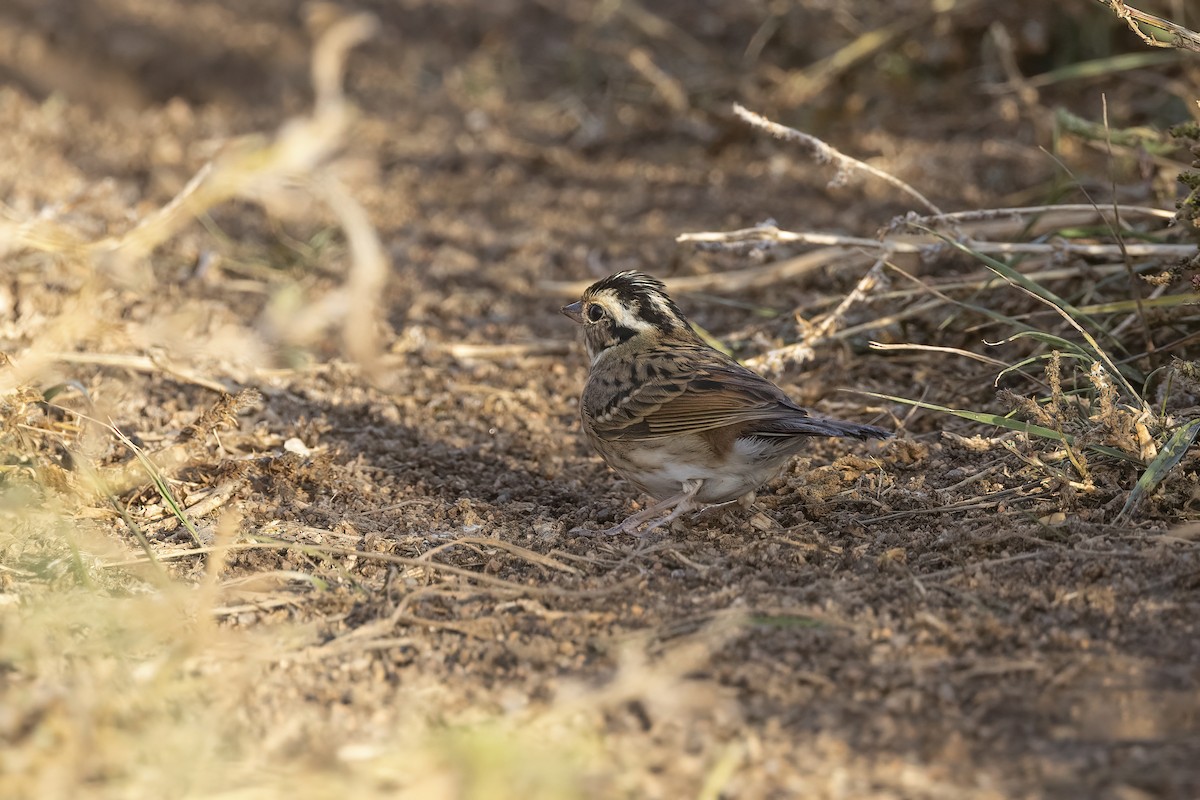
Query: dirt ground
x=404 y=609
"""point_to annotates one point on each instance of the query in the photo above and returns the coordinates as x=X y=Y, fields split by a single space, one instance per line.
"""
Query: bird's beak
x=574 y=311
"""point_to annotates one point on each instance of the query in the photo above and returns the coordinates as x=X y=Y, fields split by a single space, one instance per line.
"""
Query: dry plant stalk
x=668 y=87
x=1181 y=37
x=221 y=414
x=929 y=245
x=924 y=243
x=252 y=167
x=302 y=153
x=120 y=478
x=803 y=350
x=1125 y=425
x=1057 y=405
x=799 y=87
x=826 y=154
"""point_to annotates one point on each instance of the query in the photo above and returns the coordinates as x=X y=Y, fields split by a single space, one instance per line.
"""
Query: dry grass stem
x=798 y=88
x=669 y=88
x=486 y=580
x=913 y=311
x=1021 y=214
x=1181 y=37
x=487 y=352
x=958 y=351
x=1006 y=50
x=303 y=153
x=201 y=506
x=929 y=245
x=940 y=287
x=825 y=154
x=149 y=364
x=521 y=552
x=361 y=583
x=358 y=304
x=253 y=167
x=832 y=320
x=736 y=280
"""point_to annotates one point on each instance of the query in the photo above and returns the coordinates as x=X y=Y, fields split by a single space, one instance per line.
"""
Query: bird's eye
x=595 y=313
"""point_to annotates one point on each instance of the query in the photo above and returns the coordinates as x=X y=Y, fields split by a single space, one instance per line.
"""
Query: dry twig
x=826 y=154
x=739 y=279
x=303 y=152
x=930 y=245
x=1181 y=37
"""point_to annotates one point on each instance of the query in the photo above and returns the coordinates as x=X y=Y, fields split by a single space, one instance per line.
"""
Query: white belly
x=661 y=468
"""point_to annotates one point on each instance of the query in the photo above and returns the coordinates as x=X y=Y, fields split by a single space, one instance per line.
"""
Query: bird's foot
x=676 y=505
x=716 y=510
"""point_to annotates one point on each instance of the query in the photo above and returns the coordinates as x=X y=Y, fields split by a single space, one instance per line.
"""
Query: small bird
x=680 y=420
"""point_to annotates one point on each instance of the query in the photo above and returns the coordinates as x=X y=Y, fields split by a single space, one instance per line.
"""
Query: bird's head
x=626 y=308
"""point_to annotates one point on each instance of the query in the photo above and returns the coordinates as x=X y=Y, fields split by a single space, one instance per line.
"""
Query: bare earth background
x=382 y=595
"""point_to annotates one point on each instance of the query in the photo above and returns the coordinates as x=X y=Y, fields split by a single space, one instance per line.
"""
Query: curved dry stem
x=825 y=154
x=1181 y=37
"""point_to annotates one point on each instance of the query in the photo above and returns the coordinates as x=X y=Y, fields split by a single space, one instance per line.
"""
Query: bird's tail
x=818 y=426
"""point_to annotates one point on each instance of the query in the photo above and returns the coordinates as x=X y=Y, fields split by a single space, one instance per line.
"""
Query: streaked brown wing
x=694 y=402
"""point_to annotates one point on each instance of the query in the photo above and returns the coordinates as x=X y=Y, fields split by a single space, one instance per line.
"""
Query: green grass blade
x=1101 y=67
x=160 y=485
x=1113 y=452
x=1069 y=312
x=160 y=574
x=1150 y=140
x=1172 y=453
x=979 y=416
x=58 y=388
x=994 y=316
x=1129 y=306
x=1006 y=422
x=1068 y=348
x=1012 y=276
x=712 y=341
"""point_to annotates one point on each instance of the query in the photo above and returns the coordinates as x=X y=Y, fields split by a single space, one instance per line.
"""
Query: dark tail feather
x=856 y=431
x=816 y=426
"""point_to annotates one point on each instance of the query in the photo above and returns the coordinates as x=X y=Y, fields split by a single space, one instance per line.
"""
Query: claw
x=677 y=505
x=718 y=509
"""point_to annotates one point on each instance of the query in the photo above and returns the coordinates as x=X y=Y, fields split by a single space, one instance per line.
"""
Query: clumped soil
x=933 y=616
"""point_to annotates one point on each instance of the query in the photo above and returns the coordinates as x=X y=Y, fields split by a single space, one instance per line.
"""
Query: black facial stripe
x=620 y=335
x=651 y=313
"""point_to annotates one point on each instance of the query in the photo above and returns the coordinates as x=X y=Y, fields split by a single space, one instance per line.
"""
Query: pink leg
x=677 y=505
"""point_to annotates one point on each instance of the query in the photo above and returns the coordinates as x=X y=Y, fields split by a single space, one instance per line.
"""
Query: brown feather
x=721 y=440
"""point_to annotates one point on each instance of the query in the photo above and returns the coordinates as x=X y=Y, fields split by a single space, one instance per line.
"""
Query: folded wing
x=713 y=398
